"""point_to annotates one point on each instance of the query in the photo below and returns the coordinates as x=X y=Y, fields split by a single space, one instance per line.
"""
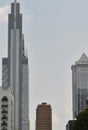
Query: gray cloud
x=4 y=13
x=27 y=17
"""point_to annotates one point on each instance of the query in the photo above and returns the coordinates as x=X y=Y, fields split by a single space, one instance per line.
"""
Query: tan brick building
x=44 y=117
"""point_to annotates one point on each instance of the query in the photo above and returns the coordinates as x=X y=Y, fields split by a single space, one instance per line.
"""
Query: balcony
x=4 y=129
x=4 y=118
x=4 y=123
x=4 y=112
x=4 y=99
x=5 y=106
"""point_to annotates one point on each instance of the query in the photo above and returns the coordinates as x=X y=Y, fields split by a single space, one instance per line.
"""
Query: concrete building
x=6 y=110
x=80 y=84
x=44 y=117
x=15 y=73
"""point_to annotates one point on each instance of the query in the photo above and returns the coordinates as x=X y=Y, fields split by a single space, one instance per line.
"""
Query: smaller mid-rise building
x=6 y=110
x=70 y=125
x=44 y=117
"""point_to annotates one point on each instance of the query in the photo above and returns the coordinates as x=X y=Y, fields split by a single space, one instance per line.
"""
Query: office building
x=6 y=110
x=15 y=69
x=44 y=117
x=80 y=84
x=87 y=103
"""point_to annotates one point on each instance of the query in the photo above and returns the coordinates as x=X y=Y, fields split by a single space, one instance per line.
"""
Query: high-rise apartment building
x=44 y=117
x=15 y=69
x=6 y=110
x=80 y=84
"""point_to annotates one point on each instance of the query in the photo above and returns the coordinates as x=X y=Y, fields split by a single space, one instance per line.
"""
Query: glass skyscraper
x=15 y=69
x=80 y=84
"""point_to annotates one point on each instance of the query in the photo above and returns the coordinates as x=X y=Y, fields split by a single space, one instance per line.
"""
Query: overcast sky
x=56 y=35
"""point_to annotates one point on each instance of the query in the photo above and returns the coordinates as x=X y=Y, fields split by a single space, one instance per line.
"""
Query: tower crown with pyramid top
x=83 y=59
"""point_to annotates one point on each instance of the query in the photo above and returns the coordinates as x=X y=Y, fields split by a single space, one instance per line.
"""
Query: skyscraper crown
x=83 y=59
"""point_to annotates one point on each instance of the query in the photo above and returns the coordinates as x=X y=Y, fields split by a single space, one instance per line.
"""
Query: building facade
x=44 y=117
x=15 y=71
x=6 y=110
x=80 y=84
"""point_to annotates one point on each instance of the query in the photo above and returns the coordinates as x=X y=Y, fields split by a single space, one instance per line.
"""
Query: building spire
x=14 y=13
x=15 y=7
x=15 y=1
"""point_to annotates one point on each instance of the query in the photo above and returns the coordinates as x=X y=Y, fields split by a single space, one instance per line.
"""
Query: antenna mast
x=15 y=13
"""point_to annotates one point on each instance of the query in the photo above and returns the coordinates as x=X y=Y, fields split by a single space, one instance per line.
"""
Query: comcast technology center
x=80 y=84
x=15 y=69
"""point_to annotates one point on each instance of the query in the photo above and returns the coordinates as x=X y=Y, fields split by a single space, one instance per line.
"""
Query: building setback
x=80 y=84
x=6 y=110
x=15 y=72
x=44 y=117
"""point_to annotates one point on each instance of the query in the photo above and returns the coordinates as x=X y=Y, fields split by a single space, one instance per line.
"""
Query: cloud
x=32 y=124
x=4 y=13
x=55 y=119
x=27 y=17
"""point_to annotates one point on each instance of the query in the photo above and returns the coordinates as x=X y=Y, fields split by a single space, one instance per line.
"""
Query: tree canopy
x=82 y=121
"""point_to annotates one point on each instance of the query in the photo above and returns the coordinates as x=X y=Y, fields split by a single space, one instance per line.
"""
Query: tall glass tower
x=15 y=69
x=80 y=84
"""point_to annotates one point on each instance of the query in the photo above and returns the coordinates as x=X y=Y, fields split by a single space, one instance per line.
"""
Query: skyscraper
x=80 y=84
x=44 y=117
x=15 y=69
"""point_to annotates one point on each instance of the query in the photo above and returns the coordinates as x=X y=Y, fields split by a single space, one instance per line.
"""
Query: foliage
x=82 y=121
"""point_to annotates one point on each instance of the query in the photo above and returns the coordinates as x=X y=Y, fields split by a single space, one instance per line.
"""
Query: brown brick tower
x=44 y=117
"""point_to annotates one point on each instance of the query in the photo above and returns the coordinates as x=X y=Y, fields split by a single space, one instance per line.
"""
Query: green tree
x=82 y=121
